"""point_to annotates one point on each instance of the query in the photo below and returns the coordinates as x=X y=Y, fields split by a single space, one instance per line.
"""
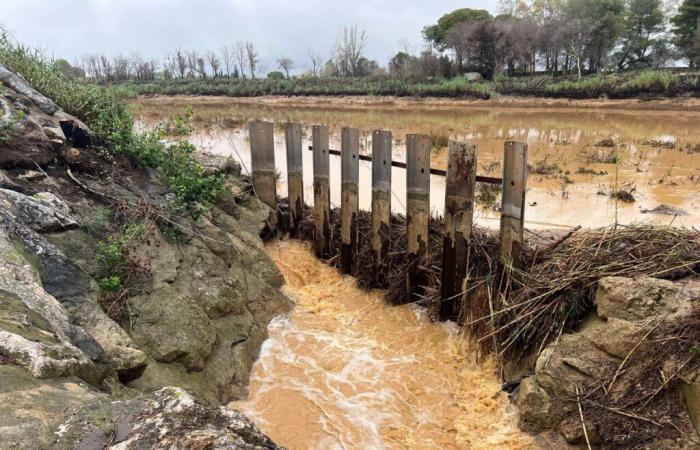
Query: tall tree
x=606 y=18
x=285 y=64
x=315 y=62
x=252 y=57
x=348 y=50
x=240 y=57
x=644 y=21
x=451 y=30
x=214 y=63
x=685 y=29
x=227 y=57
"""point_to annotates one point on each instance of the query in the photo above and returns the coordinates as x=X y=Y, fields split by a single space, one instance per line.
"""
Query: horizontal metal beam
x=433 y=171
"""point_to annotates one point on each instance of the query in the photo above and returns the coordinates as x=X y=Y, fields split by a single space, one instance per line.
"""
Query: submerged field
x=592 y=163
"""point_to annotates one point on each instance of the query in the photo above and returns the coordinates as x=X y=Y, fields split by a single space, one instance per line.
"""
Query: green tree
x=438 y=32
x=685 y=26
x=606 y=18
x=640 y=36
x=275 y=75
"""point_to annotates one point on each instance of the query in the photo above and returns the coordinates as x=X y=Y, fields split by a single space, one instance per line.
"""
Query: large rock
x=628 y=310
x=637 y=299
x=35 y=330
x=170 y=326
x=168 y=419
x=534 y=405
x=43 y=212
x=32 y=410
x=20 y=85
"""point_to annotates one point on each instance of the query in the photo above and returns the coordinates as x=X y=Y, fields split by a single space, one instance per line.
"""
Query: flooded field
x=347 y=371
x=578 y=156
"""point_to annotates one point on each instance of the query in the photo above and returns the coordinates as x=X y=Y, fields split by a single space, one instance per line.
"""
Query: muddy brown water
x=344 y=370
x=573 y=170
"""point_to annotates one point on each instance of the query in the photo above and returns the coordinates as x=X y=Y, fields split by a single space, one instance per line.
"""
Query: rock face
x=194 y=326
x=602 y=353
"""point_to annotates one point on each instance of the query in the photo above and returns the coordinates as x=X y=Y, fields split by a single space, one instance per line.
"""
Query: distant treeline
x=647 y=83
x=569 y=37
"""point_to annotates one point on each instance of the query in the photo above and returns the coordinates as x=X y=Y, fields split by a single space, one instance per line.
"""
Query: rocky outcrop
x=20 y=85
x=194 y=325
x=610 y=357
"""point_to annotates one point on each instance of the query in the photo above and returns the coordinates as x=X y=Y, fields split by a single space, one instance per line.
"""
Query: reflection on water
x=345 y=370
x=573 y=173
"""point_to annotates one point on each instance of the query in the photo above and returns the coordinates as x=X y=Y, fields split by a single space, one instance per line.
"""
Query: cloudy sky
x=72 y=28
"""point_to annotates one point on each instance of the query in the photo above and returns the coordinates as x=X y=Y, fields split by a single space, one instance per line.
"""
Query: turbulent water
x=346 y=371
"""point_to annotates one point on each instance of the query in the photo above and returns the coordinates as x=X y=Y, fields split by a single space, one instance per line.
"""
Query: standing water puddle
x=345 y=370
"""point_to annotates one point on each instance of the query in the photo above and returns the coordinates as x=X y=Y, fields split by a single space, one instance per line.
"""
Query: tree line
x=525 y=37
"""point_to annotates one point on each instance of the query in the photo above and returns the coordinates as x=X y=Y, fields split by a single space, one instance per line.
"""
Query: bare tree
x=348 y=50
x=227 y=57
x=285 y=64
x=202 y=68
x=192 y=64
x=106 y=68
x=252 y=56
x=179 y=61
x=240 y=57
x=315 y=62
x=214 y=63
x=121 y=68
x=577 y=37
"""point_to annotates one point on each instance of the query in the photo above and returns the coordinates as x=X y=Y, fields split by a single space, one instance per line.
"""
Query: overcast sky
x=72 y=28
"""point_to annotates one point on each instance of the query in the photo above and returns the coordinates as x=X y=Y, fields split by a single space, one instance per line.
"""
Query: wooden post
x=381 y=200
x=262 y=156
x=513 y=204
x=349 y=203
x=322 y=196
x=295 y=177
x=459 y=208
x=417 y=207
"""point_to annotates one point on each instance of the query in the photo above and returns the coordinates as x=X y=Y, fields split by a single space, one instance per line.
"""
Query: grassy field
x=648 y=83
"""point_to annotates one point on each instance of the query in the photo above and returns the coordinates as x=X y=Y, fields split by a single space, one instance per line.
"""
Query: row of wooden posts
x=459 y=198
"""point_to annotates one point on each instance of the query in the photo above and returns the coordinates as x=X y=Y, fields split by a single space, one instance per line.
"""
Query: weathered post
x=262 y=156
x=417 y=207
x=322 y=196
x=513 y=204
x=349 y=203
x=459 y=208
x=295 y=177
x=381 y=200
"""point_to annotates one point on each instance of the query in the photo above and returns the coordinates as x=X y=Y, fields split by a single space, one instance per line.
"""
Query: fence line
x=459 y=201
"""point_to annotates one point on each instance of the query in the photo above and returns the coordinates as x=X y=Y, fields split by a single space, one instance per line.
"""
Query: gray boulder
x=43 y=212
x=20 y=85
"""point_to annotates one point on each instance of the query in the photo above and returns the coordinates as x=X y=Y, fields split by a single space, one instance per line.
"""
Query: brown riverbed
x=580 y=152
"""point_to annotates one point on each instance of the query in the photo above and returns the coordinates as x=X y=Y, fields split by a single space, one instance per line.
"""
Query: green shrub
x=649 y=80
x=107 y=113
x=114 y=268
x=275 y=75
x=97 y=223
